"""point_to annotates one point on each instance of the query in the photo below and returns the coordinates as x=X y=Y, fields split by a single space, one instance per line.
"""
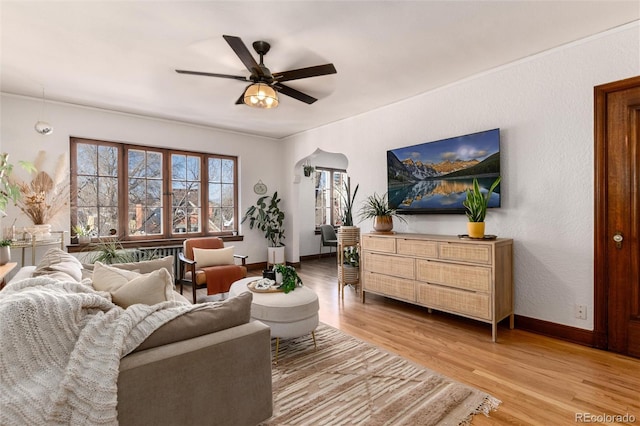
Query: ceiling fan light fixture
x=260 y=95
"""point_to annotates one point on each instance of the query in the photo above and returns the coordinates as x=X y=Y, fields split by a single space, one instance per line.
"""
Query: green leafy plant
x=290 y=278
x=308 y=169
x=348 y=199
x=351 y=256
x=377 y=205
x=476 y=202
x=81 y=230
x=110 y=251
x=9 y=189
x=5 y=243
x=266 y=216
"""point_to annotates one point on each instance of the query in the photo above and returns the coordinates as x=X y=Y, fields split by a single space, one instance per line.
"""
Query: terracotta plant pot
x=475 y=229
x=383 y=223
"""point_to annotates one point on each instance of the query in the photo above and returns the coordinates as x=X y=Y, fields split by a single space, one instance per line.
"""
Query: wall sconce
x=42 y=126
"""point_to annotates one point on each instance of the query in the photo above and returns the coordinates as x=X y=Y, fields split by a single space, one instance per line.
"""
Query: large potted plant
x=376 y=207
x=267 y=217
x=475 y=206
x=9 y=189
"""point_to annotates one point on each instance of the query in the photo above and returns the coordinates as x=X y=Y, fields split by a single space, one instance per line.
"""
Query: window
x=329 y=185
x=164 y=191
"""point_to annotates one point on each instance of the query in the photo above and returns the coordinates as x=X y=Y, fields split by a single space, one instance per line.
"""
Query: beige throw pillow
x=130 y=287
x=109 y=278
x=146 y=266
x=213 y=257
x=149 y=289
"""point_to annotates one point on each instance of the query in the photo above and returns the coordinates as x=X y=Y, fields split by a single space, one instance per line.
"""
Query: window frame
x=333 y=221
x=167 y=202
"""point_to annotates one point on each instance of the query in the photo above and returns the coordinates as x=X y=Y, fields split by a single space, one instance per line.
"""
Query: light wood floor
x=540 y=381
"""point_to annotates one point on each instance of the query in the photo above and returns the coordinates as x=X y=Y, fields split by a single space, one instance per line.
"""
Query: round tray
x=252 y=287
x=486 y=237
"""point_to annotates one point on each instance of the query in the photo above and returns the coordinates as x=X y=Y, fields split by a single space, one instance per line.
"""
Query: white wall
x=544 y=107
x=17 y=137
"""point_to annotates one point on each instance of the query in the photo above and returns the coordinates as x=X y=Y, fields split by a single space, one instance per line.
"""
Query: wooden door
x=617 y=206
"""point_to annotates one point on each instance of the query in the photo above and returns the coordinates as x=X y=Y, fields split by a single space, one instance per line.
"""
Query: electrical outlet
x=581 y=312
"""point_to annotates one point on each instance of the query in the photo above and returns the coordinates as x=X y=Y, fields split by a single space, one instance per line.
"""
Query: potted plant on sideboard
x=267 y=217
x=475 y=206
x=376 y=207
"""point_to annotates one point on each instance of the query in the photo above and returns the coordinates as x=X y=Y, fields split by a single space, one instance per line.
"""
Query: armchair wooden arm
x=191 y=265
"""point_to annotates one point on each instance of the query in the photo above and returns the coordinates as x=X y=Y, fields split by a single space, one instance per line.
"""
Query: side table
x=57 y=238
x=4 y=271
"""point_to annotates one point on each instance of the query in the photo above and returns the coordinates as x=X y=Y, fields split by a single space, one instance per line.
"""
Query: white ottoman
x=289 y=315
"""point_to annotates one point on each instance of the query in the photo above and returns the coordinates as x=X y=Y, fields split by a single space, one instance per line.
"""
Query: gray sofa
x=221 y=378
x=218 y=378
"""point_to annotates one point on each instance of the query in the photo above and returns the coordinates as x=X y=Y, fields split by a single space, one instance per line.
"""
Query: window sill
x=172 y=242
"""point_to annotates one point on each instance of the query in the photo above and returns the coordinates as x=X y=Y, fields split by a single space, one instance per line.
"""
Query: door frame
x=601 y=239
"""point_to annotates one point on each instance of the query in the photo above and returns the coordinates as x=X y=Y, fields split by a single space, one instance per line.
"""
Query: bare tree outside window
x=165 y=191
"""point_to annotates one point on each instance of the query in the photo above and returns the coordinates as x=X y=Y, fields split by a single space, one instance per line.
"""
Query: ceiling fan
x=262 y=92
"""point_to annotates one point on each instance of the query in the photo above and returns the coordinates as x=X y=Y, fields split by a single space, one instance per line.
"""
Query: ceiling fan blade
x=286 y=90
x=240 y=100
x=209 y=74
x=305 y=72
x=243 y=53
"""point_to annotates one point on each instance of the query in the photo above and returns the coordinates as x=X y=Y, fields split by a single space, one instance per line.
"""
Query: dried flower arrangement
x=43 y=197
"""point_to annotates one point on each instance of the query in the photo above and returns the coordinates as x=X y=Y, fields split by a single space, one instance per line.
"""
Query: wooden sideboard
x=471 y=278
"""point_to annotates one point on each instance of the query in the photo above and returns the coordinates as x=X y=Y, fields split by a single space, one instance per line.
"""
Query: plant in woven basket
x=290 y=278
x=348 y=199
x=351 y=256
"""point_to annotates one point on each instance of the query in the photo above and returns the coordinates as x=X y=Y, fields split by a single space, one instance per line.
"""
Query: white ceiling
x=121 y=55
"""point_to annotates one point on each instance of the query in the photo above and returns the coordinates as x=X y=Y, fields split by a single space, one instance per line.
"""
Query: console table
x=471 y=278
x=57 y=238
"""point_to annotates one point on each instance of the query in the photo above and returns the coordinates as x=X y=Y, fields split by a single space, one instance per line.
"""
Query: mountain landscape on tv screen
x=402 y=172
x=434 y=176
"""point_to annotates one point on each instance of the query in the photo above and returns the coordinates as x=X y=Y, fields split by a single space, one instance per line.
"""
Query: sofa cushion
x=213 y=257
x=149 y=289
x=144 y=266
x=208 y=318
x=60 y=265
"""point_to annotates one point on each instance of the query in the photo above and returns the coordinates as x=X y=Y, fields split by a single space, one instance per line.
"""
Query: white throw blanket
x=60 y=350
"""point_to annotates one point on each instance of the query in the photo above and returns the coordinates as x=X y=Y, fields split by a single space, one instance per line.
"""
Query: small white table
x=289 y=315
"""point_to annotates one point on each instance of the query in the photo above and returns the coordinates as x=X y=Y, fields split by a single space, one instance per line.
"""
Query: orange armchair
x=216 y=269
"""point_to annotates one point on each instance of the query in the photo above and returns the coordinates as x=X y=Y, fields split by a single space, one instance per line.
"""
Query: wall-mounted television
x=432 y=177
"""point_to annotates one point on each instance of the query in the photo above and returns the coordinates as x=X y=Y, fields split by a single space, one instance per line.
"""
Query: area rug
x=349 y=382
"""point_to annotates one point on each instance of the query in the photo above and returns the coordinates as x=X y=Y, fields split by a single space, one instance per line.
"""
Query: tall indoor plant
x=476 y=205
x=266 y=216
x=376 y=207
x=9 y=189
